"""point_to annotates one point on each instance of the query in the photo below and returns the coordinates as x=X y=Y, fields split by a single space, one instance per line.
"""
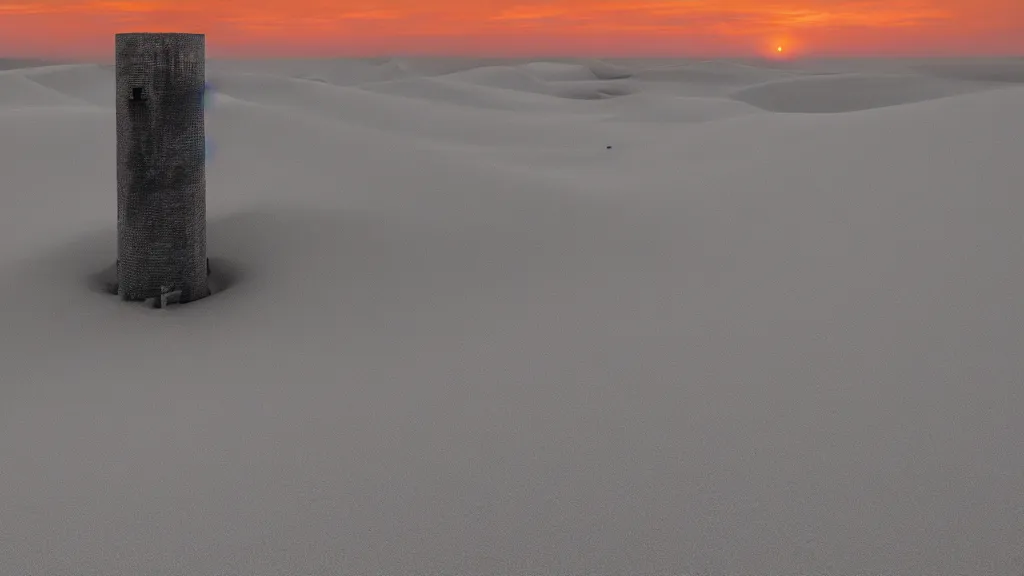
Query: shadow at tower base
x=222 y=274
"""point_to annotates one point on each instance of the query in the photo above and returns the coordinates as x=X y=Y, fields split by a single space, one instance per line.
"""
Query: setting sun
x=778 y=48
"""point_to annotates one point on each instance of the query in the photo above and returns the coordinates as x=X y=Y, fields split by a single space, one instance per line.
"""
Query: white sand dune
x=849 y=92
x=1002 y=70
x=506 y=77
x=591 y=89
x=667 y=109
x=89 y=83
x=561 y=71
x=447 y=92
x=18 y=90
x=574 y=82
x=582 y=70
x=12 y=63
x=339 y=72
x=517 y=332
x=712 y=72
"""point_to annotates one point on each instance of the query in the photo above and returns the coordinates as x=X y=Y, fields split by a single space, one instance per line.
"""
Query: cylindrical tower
x=161 y=170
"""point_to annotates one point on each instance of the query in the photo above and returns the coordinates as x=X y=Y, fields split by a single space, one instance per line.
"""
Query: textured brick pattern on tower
x=161 y=172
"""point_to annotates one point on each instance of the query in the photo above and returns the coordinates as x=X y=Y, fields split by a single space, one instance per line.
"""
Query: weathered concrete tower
x=161 y=167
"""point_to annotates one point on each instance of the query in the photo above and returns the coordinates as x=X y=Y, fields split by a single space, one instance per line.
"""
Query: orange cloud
x=26 y=9
x=520 y=12
x=70 y=27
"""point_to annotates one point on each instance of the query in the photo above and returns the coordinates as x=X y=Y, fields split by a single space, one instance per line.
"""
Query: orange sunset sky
x=239 y=28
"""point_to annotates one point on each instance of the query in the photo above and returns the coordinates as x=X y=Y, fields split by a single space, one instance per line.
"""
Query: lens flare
x=207 y=95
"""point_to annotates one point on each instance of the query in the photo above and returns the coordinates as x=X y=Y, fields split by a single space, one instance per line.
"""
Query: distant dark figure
x=161 y=172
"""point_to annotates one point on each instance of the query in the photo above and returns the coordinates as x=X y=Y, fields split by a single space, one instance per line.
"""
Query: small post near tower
x=161 y=167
